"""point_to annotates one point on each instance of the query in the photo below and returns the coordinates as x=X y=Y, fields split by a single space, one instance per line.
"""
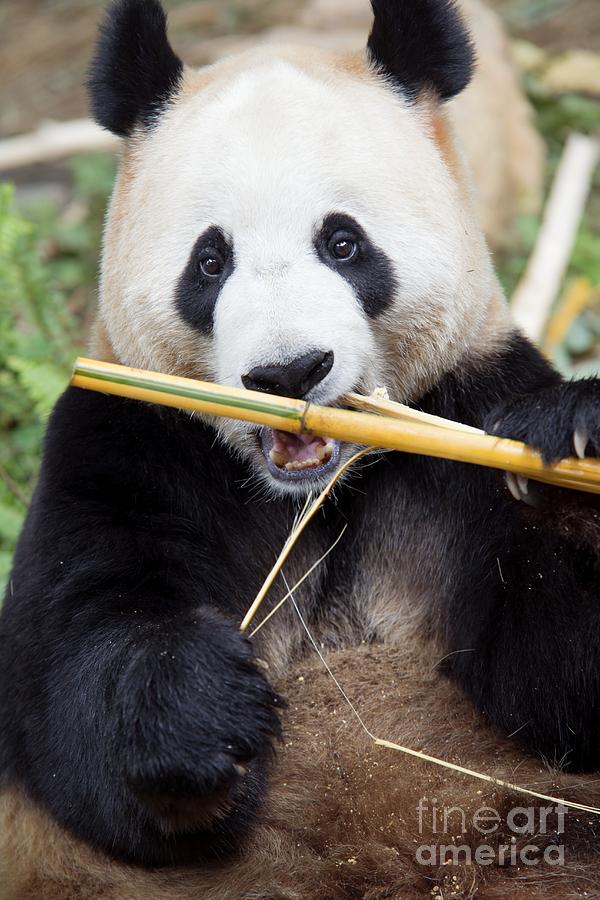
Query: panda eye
x=212 y=263
x=342 y=246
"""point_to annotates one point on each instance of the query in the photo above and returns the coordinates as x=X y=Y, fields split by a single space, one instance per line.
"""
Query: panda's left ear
x=422 y=46
x=134 y=71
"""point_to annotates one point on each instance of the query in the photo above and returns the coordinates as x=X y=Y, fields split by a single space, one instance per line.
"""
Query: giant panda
x=297 y=222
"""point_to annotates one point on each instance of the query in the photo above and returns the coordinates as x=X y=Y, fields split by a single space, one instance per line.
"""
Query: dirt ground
x=45 y=45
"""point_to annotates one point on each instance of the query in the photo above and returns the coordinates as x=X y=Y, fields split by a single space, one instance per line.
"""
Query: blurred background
x=539 y=82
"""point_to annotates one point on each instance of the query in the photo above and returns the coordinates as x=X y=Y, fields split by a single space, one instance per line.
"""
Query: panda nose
x=293 y=379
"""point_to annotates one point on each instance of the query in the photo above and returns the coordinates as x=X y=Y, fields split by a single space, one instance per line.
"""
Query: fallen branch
x=52 y=141
x=539 y=287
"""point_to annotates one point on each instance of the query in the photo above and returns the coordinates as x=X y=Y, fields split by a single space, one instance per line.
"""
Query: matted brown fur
x=341 y=821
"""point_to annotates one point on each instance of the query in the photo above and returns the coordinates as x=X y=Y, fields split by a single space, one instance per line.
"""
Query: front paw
x=559 y=421
x=198 y=721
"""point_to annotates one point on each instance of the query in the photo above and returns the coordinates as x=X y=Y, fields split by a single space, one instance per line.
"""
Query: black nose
x=293 y=379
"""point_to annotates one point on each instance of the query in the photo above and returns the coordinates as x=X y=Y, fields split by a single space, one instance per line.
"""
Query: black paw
x=559 y=421
x=198 y=720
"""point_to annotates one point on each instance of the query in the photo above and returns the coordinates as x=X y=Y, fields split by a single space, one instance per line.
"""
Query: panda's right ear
x=421 y=46
x=134 y=71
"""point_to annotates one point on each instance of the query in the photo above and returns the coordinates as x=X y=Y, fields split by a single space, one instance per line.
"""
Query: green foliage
x=48 y=271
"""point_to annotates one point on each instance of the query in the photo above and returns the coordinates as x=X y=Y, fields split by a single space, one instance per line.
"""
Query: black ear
x=422 y=45
x=135 y=70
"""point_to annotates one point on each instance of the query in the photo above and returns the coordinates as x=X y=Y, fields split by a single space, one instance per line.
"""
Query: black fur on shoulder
x=134 y=71
x=422 y=45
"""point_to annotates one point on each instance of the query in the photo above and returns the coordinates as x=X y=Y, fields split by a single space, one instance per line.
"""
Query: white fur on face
x=266 y=153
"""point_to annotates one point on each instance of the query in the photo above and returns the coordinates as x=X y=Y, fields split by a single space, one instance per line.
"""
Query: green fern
x=42 y=382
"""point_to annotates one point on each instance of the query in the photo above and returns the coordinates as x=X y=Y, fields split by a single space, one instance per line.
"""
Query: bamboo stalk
x=537 y=290
x=298 y=416
x=578 y=297
x=430 y=440
x=186 y=393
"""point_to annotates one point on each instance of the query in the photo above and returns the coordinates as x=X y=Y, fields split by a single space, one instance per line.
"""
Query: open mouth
x=298 y=456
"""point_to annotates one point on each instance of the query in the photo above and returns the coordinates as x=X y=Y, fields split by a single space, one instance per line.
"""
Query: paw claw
x=241 y=770
x=513 y=485
x=580 y=442
x=518 y=485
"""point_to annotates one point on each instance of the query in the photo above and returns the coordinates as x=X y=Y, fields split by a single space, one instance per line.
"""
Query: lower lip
x=266 y=441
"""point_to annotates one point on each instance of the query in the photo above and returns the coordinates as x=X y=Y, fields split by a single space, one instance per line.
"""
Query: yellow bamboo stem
x=431 y=440
x=298 y=416
x=187 y=393
x=580 y=294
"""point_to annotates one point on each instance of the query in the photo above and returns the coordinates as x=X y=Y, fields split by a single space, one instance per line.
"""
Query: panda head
x=290 y=220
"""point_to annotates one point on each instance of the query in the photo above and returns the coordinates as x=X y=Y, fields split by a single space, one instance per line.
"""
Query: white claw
x=240 y=769
x=523 y=484
x=513 y=486
x=580 y=442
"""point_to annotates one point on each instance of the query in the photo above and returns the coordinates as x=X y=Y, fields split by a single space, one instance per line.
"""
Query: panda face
x=289 y=225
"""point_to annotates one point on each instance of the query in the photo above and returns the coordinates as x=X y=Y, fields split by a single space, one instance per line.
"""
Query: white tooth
x=512 y=485
x=580 y=442
x=523 y=484
x=321 y=451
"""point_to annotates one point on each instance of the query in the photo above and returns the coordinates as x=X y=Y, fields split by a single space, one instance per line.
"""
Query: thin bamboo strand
x=294 y=536
x=397 y=410
x=301 y=581
x=418 y=754
x=299 y=417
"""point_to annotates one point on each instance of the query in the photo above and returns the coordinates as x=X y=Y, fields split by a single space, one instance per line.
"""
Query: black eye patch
x=367 y=269
x=210 y=264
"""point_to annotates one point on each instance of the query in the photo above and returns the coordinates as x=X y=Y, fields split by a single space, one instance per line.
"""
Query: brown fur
x=341 y=821
x=446 y=142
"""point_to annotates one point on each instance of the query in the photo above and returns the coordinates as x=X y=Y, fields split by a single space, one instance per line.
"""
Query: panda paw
x=559 y=421
x=199 y=721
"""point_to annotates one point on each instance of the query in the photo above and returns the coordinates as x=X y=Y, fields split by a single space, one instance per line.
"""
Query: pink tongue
x=299 y=447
